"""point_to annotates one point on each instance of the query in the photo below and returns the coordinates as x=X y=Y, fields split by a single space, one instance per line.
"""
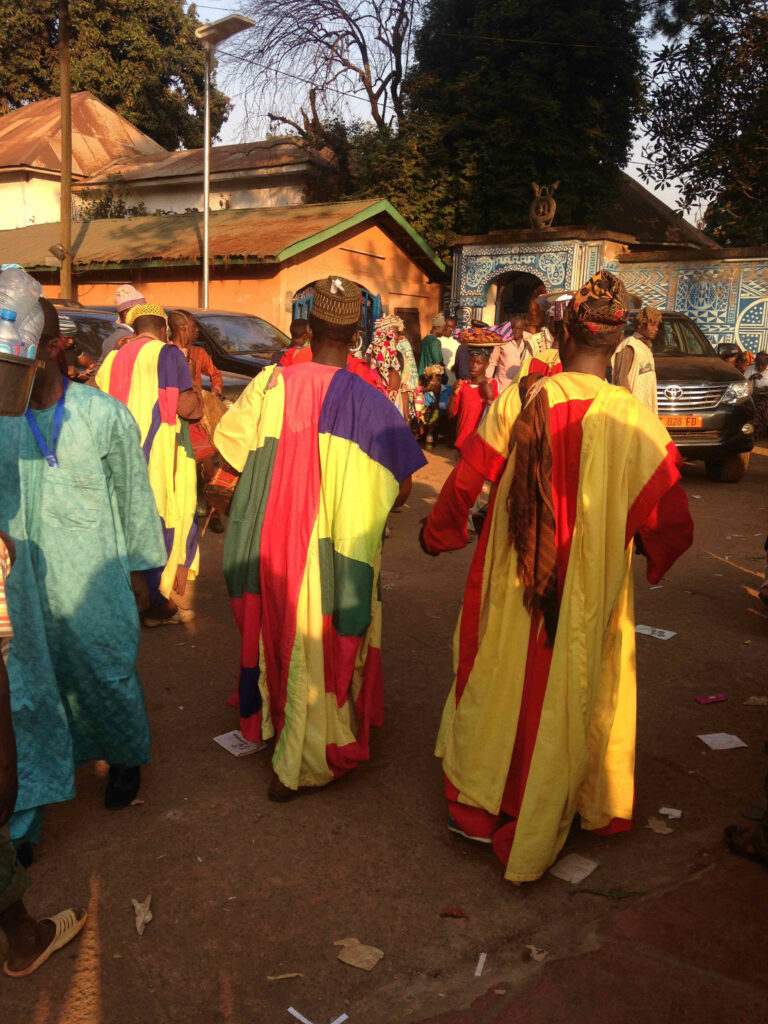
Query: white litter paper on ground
x=660 y=634
x=480 y=965
x=235 y=743
x=671 y=812
x=756 y=702
x=298 y=1016
x=573 y=868
x=722 y=741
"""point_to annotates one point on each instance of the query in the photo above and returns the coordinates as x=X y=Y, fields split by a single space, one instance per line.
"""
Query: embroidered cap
x=336 y=300
x=147 y=309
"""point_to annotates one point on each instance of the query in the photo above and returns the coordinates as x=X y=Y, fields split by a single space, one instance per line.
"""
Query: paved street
x=243 y=889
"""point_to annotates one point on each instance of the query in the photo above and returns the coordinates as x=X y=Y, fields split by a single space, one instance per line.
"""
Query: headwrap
x=531 y=508
x=601 y=306
x=67 y=326
x=438 y=321
x=147 y=309
x=389 y=324
x=127 y=296
x=648 y=315
x=337 y=301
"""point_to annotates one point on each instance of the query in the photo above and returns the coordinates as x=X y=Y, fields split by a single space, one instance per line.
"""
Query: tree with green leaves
x=520 y=93
x=707 y=113
x=140 y=57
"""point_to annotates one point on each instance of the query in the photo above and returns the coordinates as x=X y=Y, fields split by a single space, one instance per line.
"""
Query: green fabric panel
x=243 y=541
x=325 y=558
x=352 y=590
x=185 y=441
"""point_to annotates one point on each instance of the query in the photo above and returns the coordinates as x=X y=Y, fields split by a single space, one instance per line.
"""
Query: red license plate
x=682 y=422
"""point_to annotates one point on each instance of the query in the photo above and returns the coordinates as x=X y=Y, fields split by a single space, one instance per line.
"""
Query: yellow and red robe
x=322 y=456
x=148 y=376
x=532 y=734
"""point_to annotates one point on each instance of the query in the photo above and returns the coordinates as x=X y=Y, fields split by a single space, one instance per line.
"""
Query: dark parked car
x=239 y=344
x=705 y=403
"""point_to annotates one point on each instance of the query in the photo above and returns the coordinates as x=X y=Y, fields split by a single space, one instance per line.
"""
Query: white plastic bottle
x=9 y=335
x=19 y=291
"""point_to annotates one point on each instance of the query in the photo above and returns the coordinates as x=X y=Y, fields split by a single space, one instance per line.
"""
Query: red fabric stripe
x=665 y=476
x=121 y=371
x=547 y=369
x=660 y=515
x=339 y=653
x=566 y=429
x=483 y=458
x=284 y=544
x=537 y=665
x=251 y=727
x=369 y=708
x=469 y=638
x=168 y=403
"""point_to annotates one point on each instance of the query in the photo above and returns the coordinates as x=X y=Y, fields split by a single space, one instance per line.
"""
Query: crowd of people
x=100 y=508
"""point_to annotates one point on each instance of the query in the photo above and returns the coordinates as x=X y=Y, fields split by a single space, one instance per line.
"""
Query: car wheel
x=728 y=470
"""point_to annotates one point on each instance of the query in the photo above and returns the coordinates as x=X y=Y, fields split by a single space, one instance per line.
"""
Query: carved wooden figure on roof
x=543 y=207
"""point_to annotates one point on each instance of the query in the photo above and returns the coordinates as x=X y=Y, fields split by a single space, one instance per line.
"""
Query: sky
x=235 y=129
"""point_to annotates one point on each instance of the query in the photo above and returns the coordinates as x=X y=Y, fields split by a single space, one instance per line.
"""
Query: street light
x=210 y=35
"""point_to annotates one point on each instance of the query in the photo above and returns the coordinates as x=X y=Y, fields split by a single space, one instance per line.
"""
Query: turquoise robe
x=79 y=531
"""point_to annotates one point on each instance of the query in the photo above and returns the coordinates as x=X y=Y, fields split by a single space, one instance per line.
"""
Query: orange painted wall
x=367 y=256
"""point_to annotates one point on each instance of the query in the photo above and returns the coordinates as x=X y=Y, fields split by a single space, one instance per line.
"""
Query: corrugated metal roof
x=31 y=136
x=643 y=215
x=268 y=235
x=265 y=155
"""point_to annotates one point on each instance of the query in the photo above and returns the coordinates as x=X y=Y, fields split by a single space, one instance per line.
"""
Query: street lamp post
x=210 y=35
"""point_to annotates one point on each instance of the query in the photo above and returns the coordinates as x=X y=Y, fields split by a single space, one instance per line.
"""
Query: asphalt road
x=243 y=889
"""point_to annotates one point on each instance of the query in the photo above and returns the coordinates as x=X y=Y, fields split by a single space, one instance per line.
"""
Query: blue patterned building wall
x=728 y=299
x=475 y=267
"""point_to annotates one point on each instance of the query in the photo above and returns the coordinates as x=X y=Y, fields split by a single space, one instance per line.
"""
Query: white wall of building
x=27 y=198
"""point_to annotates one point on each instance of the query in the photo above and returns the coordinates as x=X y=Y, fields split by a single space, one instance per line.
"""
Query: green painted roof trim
x=380 y=206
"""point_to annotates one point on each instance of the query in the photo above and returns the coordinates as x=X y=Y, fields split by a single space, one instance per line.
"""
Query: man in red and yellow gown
x=540 y=721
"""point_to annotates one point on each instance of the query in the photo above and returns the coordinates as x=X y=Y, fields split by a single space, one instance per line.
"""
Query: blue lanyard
x=58 y=419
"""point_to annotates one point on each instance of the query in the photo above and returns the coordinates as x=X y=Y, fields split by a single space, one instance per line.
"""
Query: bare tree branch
x=315 y=60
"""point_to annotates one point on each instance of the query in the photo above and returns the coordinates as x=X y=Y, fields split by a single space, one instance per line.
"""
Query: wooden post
x=65 y=215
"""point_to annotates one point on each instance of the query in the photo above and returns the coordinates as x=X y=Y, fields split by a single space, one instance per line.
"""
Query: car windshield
x=91 y=331
x=243 y=335
x=680 y=338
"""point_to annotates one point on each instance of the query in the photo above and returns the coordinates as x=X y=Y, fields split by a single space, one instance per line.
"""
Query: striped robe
x=533 y=734
x=322 y=456
x=148 y=376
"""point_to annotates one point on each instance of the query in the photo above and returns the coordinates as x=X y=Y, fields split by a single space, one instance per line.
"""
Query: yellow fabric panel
x=584 y=752
x=102 y=374
x=357 y=493
x=255 y=416
x=313 y=718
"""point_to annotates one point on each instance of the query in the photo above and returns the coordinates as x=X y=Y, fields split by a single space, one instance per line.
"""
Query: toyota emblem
x=673 y=392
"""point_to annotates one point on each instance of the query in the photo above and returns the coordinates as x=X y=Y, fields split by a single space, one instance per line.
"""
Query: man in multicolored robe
x=152 y=378
x=540 y=723
x=323 y=457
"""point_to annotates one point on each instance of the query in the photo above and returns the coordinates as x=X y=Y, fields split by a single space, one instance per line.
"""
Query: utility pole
x=65 y=215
